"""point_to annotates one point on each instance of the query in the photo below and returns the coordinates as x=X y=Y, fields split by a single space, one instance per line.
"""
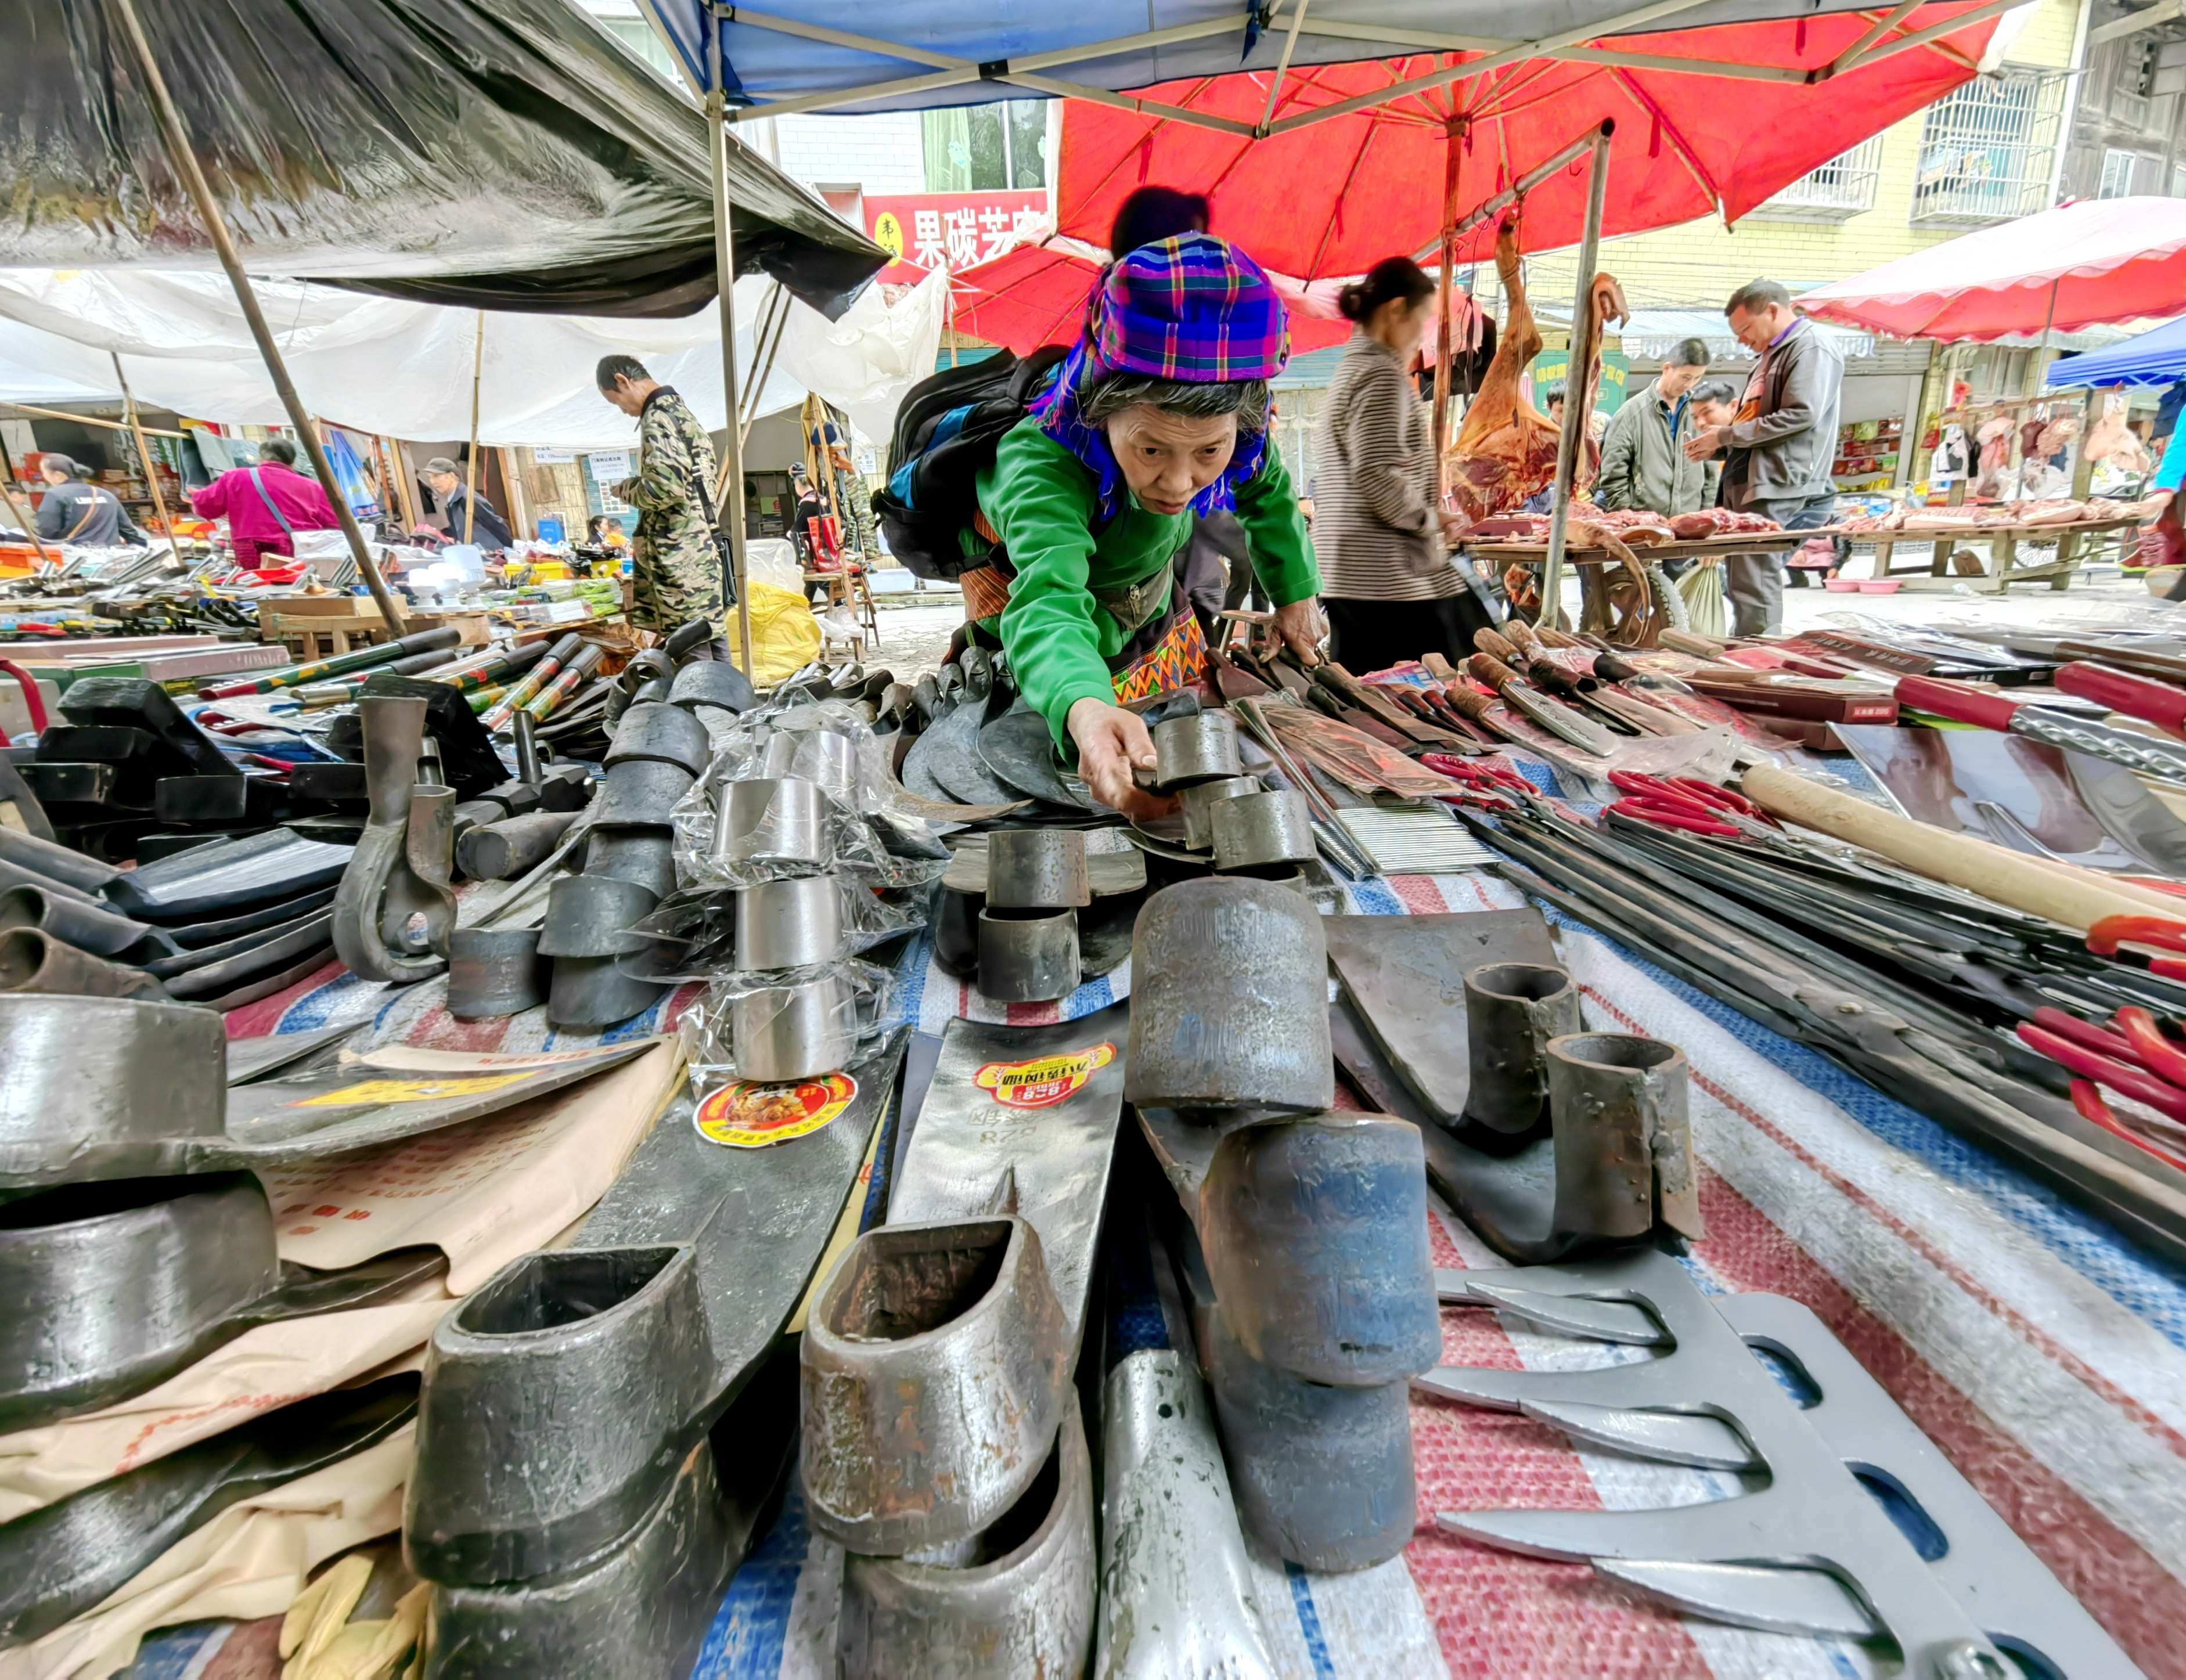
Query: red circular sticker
x=748 y=1115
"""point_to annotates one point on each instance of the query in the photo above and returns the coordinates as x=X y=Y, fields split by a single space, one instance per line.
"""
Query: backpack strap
x=281 y=520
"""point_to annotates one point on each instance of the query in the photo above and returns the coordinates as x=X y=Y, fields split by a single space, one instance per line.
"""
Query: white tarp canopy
x=403 y=369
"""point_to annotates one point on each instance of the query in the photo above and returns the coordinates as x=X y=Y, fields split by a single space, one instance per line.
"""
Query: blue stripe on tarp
x=909 y=982
x=2145 y=1285
x=173 y=1653
x=643 y=1025
x=1373 y=897
x=316 y=1009
x=1309 y=1617
x=1090 y=998
x=747 y=1638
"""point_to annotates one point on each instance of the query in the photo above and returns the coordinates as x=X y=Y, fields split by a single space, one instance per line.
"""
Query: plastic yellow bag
x=785 y=635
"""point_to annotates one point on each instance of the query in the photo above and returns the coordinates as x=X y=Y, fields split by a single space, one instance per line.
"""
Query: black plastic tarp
x=502 y=154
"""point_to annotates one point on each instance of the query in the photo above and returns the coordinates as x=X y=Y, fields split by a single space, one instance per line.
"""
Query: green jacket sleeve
x=1041 y=504
x=1282 y=551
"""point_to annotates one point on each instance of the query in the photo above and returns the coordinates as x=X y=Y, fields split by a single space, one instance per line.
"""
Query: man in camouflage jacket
x=677 y=561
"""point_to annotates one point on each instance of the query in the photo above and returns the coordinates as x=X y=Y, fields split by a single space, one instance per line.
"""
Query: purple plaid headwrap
x=1195 y=309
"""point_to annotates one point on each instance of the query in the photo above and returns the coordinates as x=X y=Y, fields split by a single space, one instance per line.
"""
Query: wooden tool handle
x=1550 y=636
x=1488 y=642
x=1523 y=636
x=1467 y=701
x=1487 y=668
x=2063 y=892
x=1439 y=667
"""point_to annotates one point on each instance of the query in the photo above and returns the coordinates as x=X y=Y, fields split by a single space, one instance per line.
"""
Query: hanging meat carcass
x=2110 y=440
x=1506 y=449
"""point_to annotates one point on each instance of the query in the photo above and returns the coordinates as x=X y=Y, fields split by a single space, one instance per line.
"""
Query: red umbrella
x=1332 y=195
x=2084 y=265
x=1036 y=295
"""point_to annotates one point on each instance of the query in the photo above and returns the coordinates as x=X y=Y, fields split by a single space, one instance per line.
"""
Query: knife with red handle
x=1968 y=702
x=2136 y=697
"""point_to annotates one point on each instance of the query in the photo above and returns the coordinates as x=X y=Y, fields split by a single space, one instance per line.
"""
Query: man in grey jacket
x=1777 y=453
x=1643 y=464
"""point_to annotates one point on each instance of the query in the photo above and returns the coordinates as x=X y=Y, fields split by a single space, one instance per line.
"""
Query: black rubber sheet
x=505 y=154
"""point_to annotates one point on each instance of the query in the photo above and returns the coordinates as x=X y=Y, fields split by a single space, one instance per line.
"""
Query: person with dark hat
x=488 y=530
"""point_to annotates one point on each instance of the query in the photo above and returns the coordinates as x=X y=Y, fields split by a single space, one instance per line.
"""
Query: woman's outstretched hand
x=1112 y=742
x=1302 y=628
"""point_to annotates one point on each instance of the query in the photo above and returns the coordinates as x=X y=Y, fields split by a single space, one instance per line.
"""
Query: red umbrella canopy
x=1036 y=295
x=1334 y=196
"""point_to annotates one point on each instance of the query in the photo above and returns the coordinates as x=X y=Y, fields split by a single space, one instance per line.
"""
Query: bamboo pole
x=88 y=420
x=1568 y=439
x=185 y=161
x=1453 y=146
x=144 y=459
x=471 y=462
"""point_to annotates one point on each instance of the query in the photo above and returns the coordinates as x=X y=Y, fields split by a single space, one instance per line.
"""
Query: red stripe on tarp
x=1034 y=1014
x=1419 y=894
x=437 y=1029
x=1498 y=1615
x=257 y=1020
x=2140 y=1603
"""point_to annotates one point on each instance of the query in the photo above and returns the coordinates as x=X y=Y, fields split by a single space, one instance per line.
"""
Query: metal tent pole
x=1581 y=357
x=725 y=279
x=185 y=161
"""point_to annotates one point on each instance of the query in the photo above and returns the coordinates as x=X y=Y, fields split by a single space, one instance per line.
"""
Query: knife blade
x=2128 y=813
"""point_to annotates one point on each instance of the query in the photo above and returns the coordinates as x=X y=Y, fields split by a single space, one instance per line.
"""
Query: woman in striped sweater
x=1390 y=589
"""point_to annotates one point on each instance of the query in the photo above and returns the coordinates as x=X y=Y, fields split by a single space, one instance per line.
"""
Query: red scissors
x=1483 y=778
x=1687 y=802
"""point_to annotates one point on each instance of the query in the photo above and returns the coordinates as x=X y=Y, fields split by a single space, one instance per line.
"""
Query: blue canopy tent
x=2155 y=358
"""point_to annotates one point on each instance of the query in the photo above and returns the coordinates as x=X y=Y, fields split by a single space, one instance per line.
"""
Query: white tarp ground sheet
x=403 y=369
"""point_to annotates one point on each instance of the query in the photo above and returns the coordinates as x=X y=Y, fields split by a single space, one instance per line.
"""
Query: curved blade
x=1750 y=1595
x=2129 y=814
x=1560 y=721
x=1620 y=1321
x=1667 y=1437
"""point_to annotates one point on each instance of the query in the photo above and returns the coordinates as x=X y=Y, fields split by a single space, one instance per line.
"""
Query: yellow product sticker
x=1046 y=1082
x=748 y=1115
x=367 y=1092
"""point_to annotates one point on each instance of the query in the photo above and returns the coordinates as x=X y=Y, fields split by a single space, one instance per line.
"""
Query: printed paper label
x=1046 y=1082
x=748 y=1115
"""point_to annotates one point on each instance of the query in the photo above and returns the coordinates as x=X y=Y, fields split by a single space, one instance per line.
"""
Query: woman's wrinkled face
x=1169 y=458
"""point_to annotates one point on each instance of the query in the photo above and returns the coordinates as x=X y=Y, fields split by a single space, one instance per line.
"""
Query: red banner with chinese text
x=926 y=230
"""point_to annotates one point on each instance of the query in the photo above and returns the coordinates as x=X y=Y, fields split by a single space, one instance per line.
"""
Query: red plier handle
x=1666 y=815
x=2160 y=931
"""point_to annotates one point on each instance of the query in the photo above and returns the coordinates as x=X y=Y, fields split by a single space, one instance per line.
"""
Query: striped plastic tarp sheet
x=2045 y=1358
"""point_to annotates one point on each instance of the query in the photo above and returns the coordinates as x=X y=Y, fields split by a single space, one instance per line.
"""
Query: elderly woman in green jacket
x=1160 y=415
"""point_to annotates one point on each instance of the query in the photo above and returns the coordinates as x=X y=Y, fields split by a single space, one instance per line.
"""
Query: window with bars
x=1985 y=148
x=1844 y=186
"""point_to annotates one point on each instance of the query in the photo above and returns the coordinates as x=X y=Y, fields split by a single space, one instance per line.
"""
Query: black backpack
x=946 y=433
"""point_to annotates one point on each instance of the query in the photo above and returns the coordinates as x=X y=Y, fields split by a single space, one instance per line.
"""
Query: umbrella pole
x=144 y=456
x=185 y=161
x=1581 y=355
x=725 y=287
x=471 y=465
x=1452 y=140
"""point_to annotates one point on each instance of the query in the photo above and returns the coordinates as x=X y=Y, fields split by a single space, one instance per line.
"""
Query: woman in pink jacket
x=265 y=505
